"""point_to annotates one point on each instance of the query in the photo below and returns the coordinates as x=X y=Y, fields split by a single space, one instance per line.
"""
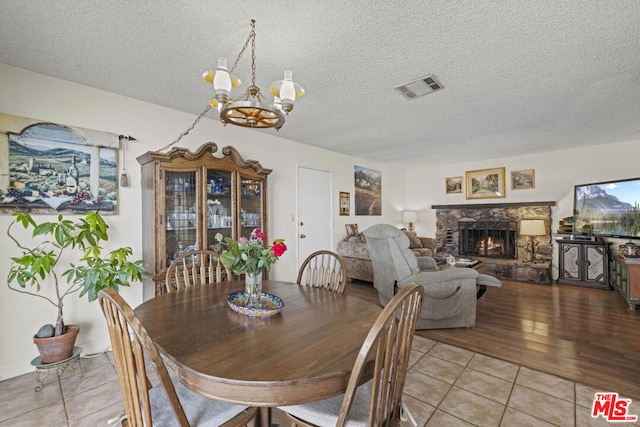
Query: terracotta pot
x=56 y=349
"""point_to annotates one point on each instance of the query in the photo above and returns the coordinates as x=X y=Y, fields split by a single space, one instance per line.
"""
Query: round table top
x=303 y=354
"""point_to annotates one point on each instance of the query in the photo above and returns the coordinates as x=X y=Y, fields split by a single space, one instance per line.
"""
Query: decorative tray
x=271 y=305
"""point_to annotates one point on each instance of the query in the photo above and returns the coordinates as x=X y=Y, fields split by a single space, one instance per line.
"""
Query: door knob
x=302 y=236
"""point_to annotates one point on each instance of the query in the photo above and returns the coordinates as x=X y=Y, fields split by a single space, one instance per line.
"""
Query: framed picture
x=485 y=183
x=368 y=191
x=523 y=179
x=453 y=185
x=352 y=230
x=344 y=203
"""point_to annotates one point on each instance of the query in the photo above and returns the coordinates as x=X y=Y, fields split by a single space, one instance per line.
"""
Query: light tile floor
x=445 y=386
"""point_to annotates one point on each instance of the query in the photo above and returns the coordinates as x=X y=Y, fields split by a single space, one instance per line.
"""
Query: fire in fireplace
x=490 y=239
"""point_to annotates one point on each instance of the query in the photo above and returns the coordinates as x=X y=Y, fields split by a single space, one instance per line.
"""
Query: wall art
x=485 y=183
x=523 y=179
x=368 y=191
x=46 y=167
x=453 y=185
x=344 y=203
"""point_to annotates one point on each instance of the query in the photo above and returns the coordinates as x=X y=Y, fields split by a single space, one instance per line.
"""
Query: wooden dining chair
x=377 y=402
x=323 y=269
x=196 y=268
x=169 y=402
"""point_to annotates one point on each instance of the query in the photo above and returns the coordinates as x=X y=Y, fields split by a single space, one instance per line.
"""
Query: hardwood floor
x=582 y=334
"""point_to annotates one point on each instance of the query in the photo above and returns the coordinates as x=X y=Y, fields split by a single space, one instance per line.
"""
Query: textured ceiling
x=519 y=76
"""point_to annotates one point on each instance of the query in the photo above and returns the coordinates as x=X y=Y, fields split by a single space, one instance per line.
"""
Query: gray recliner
x=450 y=294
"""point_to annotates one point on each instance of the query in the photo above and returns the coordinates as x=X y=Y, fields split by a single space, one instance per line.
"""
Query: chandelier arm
x=189 y=129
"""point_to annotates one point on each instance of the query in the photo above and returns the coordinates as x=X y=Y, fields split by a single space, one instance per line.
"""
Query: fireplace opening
x=489 y=239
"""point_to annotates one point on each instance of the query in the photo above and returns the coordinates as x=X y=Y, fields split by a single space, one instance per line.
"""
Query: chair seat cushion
x=325 y=412
x=199 y=410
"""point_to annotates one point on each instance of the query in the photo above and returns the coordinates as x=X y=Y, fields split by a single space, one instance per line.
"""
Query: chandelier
x=251 y=109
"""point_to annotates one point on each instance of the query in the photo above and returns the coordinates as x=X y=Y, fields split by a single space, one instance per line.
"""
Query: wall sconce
x=410 y=217
x=532 y=228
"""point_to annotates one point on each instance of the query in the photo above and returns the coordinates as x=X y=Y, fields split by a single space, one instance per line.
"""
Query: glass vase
x=253 y=288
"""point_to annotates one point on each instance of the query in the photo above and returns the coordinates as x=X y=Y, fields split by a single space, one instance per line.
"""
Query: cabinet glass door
x=251 y=209
x=219 y=209
x=181 y=207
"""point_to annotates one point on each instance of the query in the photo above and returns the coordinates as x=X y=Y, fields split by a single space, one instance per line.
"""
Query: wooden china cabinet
x=189 y=197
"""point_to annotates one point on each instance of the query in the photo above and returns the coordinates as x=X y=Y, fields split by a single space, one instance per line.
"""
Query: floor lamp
x=532 y=228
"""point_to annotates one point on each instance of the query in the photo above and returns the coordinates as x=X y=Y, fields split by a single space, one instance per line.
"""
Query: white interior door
x=315 y=225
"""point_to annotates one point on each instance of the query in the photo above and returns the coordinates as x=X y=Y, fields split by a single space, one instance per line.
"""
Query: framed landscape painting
x=523 y=179
x=453 y=185
x=485 y=183
x=368 y=191
x=47 y=167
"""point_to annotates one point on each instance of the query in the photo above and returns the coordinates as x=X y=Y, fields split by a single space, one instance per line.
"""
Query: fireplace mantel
x=493 y=205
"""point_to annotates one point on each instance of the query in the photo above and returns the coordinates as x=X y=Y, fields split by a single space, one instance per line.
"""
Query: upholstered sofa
x=355 y=254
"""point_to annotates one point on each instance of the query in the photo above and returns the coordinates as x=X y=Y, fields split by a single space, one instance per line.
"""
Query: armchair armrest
x=426 y=263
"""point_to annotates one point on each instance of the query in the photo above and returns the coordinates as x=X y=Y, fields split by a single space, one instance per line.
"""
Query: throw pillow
x=414 y=241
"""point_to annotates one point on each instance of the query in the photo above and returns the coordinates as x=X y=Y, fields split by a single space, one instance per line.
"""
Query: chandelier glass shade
x=251 y=109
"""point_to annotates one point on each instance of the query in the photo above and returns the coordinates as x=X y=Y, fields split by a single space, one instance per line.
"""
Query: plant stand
x=43 y=370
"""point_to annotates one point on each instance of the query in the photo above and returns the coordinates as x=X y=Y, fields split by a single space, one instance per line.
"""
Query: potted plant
x=249 y=257
x=38 y=263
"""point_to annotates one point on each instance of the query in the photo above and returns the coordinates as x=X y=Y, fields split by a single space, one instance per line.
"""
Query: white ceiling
x=519 y=76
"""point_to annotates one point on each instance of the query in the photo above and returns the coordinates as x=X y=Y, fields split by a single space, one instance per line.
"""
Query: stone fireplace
x=489 y=232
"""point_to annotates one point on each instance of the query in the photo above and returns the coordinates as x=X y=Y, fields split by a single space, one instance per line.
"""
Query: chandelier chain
x=250 y=37
x=253 y=53
x=189 y=129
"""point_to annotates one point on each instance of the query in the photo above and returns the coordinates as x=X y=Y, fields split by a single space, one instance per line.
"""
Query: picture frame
x=485 y=183
x=352 y=230
x=453 y=185
x=523 y=179
x=344 y=203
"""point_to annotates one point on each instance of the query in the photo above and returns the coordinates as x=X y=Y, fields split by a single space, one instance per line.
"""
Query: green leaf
x=24 y=218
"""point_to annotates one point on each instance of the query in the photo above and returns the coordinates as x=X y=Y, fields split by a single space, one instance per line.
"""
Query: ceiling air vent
x=423 y=86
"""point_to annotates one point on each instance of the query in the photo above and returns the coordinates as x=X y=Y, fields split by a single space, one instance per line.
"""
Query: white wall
x=44 y=98
x=556 y=173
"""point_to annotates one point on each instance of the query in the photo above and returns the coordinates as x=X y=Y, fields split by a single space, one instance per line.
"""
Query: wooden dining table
x=303 y=354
